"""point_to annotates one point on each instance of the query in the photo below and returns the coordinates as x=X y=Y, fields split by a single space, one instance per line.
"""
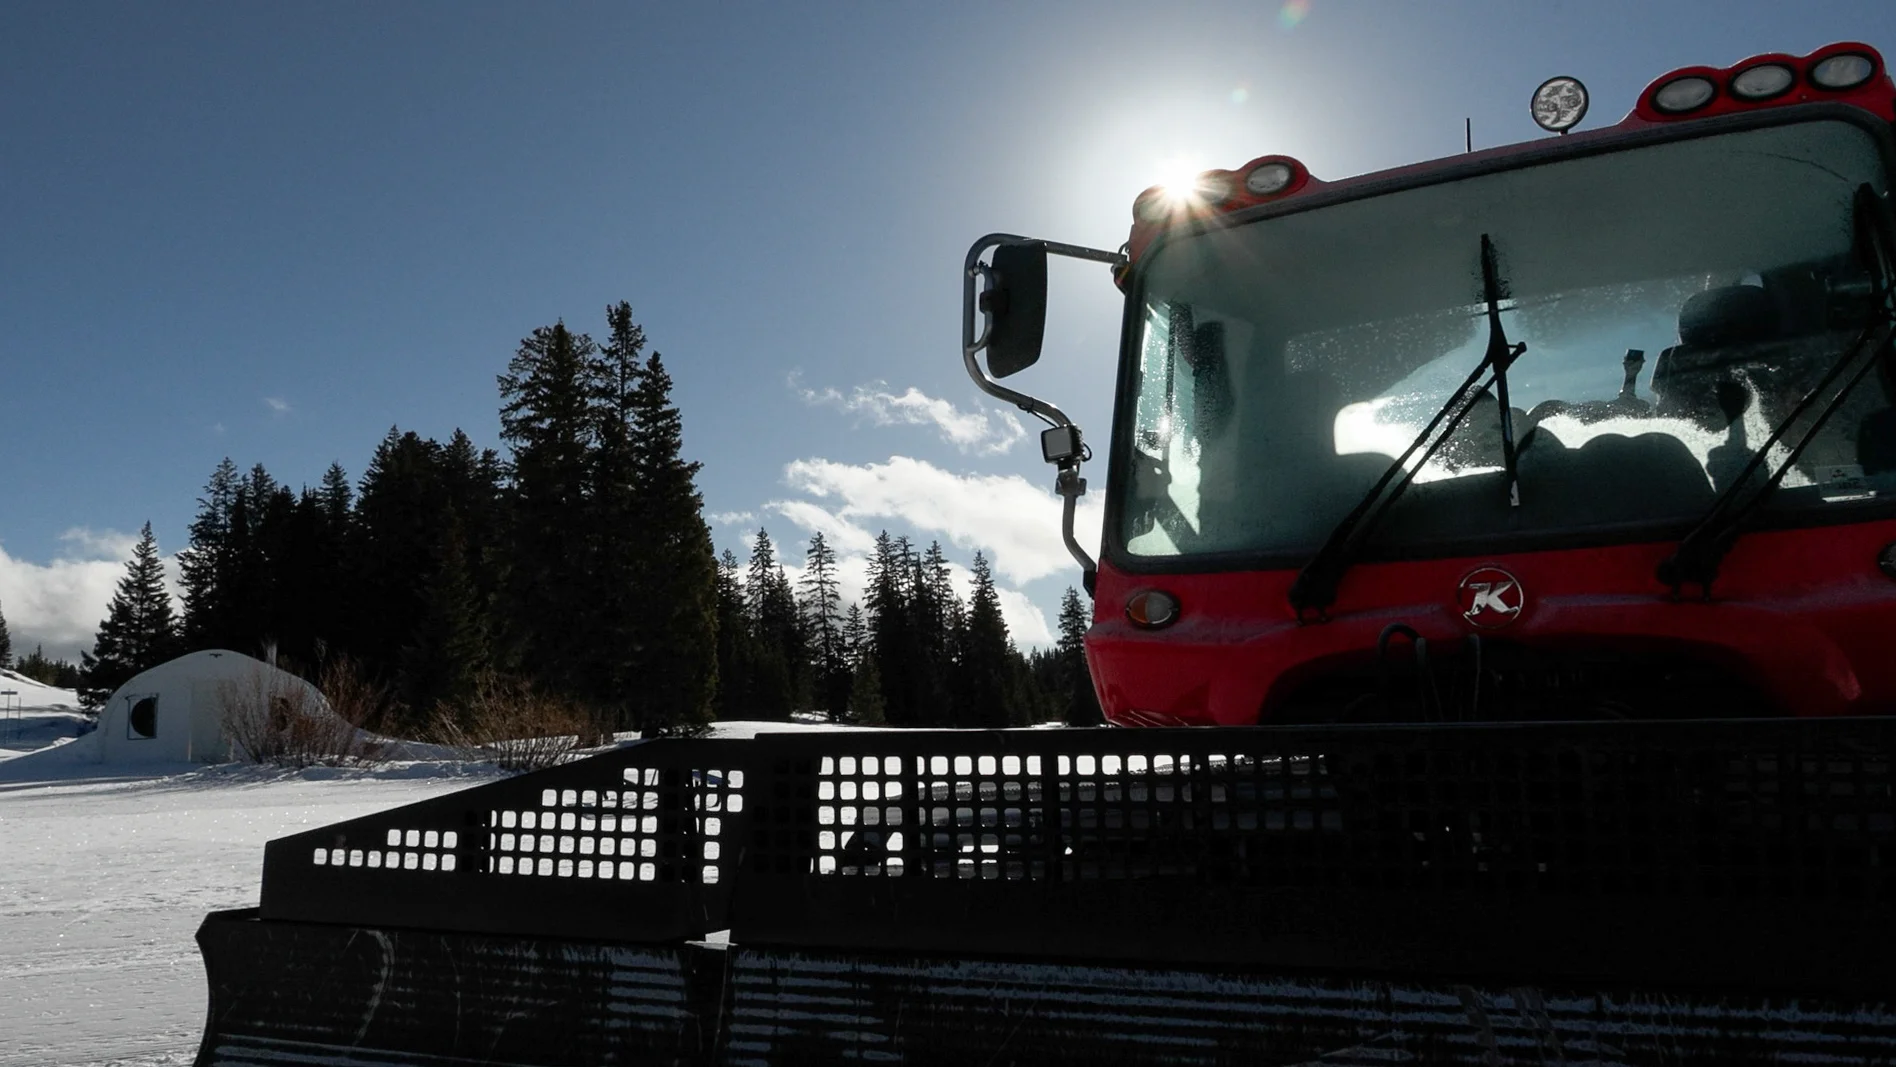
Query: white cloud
x=985 y=433
x=1015 y=524
x=59 y=604
x=732 y=518
x=277 y=404
x=1007 y=517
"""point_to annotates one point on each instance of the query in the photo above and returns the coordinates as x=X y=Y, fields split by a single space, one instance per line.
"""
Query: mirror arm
x=1067 y=483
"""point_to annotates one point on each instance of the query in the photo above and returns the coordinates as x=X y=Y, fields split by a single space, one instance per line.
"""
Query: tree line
x=579 y=562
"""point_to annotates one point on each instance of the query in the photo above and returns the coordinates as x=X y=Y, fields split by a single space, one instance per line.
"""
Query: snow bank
x=29 y=695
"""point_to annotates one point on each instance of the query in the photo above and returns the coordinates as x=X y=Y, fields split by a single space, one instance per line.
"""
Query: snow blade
x=1637 y=892
x=300 y=994
x=307 y=993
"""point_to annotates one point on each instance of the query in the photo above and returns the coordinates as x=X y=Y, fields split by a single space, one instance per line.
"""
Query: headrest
x=1735 y=314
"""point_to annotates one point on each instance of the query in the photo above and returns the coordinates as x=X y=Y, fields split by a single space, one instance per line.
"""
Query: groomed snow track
x=1639 y=893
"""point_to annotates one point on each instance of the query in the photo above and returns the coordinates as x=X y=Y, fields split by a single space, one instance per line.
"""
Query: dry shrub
x=509 y=722
x=353 y=696
x=272 y=719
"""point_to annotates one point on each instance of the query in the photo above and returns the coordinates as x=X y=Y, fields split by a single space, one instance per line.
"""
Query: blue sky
x=270 y=232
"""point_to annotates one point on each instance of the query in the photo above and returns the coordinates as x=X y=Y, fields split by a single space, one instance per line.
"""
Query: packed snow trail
x=103 y=882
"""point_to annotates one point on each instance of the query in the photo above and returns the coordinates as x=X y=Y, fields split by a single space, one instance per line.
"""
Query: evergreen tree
x=855 y=636
x=1081 y=702
x=822 y=607
x=59 y=673
x=139 y=631
x=447 y=649
x=6 y=643
x=546 y=421
x=987 y=666
x=674 y=668
x=421 y=617
x=890 y=628
x=332 y=585
x=736 y=653
x=204 y=566
x=620 y=538
x=865 y=695
x=774 y=626
x=937 y=631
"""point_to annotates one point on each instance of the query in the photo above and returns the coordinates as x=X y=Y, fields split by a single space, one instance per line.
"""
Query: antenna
x=1468 y=134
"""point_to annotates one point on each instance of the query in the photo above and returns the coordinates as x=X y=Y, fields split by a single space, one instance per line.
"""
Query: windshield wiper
x=1316 y=585
x=1696 y=560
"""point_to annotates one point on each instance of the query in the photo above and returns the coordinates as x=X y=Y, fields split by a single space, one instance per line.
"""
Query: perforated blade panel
x=1693 y=851
x=1750 y=855
x=628 y=845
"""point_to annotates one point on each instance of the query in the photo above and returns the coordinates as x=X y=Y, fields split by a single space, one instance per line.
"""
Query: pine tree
x=204 y=565
x=736 y=653
x=332 y=582
x=447 y=650
x=546 y=421
x=865 y=695
x=62 y=674
x=939 y=625
x=1081 y=702
x=773 y=625
x=139 y=631
x=855 y=636
x=620 y=535
x=822 y=606
x=675 y=666
x=889 y=630
x=6 y=643
x=987 y=665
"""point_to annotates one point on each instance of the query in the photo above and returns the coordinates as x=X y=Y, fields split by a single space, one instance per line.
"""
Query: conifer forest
x=575 y=564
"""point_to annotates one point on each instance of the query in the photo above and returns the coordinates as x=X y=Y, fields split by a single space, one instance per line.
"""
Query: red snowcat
x=1596 y=427
x=1525 y=521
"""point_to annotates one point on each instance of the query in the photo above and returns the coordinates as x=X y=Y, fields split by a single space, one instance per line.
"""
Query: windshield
x=1676 y=301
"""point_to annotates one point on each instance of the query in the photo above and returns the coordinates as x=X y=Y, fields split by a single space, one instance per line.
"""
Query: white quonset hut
x=174 y=712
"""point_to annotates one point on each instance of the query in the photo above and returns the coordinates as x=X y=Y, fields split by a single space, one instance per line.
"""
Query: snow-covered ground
x=105 y=874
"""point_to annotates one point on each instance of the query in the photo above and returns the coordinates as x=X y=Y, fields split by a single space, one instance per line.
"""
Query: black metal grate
x=626 y=845
x=1603 y=846
x=1750 y=851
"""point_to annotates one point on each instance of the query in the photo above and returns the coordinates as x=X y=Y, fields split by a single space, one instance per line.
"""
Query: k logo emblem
x=1490 y=597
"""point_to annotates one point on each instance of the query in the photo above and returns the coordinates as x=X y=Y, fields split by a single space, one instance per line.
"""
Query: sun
x=1178 y=176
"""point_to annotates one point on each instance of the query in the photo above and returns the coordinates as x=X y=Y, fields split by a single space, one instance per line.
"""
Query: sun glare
x=1177 y=175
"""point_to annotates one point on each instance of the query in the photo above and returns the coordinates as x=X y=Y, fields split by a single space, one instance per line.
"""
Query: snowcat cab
x=1595 y=427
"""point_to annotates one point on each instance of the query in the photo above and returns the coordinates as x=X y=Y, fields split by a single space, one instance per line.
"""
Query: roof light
x=1153 y=205
x=1559 y=104
x=1214 y=186
x=1763 y=81
x=1152 y=609
x=1846 y=70
x=1681 y=95
x=1269 y=178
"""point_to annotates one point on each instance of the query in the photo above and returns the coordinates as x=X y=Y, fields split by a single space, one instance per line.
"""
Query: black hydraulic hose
x=1474 y=700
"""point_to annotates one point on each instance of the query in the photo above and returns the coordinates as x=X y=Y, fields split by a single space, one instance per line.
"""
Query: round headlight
x=1681 y=95
x=1559 y=104
x=1844 y=71
x=1152 y=609
x=1763 y=81
x=1268 y=178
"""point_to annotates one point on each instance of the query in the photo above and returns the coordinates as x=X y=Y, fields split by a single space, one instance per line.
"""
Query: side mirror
x=1015 y=304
